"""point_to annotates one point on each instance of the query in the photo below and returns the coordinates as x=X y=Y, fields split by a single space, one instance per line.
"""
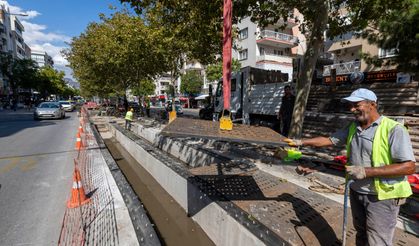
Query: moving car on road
x=49 y=110
x=67 y=106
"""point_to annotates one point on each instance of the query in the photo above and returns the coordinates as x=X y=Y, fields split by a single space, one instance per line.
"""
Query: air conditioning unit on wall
x=403 y=78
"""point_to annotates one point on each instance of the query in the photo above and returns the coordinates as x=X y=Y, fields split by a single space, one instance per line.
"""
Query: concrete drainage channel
x=233 y=201
x=223 y=222
x=171 y=222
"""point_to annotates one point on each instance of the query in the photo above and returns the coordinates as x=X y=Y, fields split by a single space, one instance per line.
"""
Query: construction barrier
x=89 y=218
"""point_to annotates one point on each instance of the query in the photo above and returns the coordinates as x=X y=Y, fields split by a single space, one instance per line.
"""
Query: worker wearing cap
x=380 y=155
x=129 y=117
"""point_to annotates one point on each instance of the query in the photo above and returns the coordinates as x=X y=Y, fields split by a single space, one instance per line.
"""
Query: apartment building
x=346 y=54
x=11 y=41
x=18 y=43
x=271 y=48
x=42 y=58
x=162 y=84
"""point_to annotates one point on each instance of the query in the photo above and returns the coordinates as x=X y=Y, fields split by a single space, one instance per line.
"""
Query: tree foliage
x=114 y=55
x=21 y=73
x=215 y=71
x=147 y=87
x=397 y=30
x=201 y=21
x=51 y=81
x=192 y=82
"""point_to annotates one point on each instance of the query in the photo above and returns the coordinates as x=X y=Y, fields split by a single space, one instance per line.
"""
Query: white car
x=67 y=106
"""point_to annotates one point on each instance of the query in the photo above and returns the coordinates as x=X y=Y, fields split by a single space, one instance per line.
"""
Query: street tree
x=314 y=18
x=50 y=81
x=145 y=88
x=21 y=73
x=397 y=30
x=215 y=71
x=186 y=34
x=115 y=55
x=192 y=82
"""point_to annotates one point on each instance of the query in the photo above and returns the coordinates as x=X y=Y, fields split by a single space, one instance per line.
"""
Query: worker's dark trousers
x=286 y=123
x=374 y=220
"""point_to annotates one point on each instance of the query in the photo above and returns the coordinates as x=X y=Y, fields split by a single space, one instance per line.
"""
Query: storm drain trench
x=171 y=222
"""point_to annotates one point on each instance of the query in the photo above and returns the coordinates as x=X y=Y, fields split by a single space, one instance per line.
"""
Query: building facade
x=162 y=84
x=42 y=58
x=271 y=48
x=11 y=42
x=346 y=53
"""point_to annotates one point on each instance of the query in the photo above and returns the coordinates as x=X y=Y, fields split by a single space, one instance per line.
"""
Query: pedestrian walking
x=129 y=117
x=285 y=112
x=380 y=156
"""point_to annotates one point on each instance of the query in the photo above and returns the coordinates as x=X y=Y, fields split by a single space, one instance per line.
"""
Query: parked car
x=67 y=105
x=49 y=110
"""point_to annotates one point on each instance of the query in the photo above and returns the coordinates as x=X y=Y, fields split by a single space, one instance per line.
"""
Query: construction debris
x=325 y=188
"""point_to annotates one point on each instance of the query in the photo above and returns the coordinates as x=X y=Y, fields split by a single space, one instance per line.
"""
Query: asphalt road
x=36 y=164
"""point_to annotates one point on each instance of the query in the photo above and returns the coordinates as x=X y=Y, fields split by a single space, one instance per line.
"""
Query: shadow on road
x=13 y=122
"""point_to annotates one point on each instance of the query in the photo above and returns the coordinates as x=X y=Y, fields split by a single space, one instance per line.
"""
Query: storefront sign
x=384 y=76
x=340 y=79
x=369 y=77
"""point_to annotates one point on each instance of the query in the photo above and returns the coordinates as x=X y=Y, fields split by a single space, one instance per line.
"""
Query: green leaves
x=22 y=73
x=192 y=82
x=215 y=71
x=115 y=55
x=145 y=88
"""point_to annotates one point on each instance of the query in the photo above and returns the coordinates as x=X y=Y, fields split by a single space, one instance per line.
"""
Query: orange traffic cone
x=81 y=129
x=79 y=143
x=78 y=197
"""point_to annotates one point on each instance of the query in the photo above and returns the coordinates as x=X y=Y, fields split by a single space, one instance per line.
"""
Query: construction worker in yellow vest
x=380 y=156
x=129 y=117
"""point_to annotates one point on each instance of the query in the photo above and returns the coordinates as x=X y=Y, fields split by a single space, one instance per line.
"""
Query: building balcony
x=342 y=68
x=273 y=58
x=273 y=38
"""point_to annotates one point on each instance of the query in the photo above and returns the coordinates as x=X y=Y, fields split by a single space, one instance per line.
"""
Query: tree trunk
x=125 y=101
x=305 y=77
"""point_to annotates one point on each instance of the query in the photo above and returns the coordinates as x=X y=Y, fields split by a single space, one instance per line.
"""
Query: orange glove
x=293 y=142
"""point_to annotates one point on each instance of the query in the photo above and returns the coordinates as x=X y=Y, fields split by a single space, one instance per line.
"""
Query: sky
x=51 y=24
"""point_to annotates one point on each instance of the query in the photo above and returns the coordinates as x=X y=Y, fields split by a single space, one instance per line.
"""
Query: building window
x=243 y=33
x=243 y=54
x=261 y=51
x=383 y=53
x=233 y=85
x=278 y=52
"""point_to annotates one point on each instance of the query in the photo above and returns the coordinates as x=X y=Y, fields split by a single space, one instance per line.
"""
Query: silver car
x=49 y=110
x=67 y=106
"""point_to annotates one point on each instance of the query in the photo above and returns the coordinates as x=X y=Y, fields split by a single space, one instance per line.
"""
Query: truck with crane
x=256 y=96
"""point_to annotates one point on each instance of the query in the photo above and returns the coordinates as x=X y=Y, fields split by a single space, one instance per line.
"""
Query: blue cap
x=360 y=95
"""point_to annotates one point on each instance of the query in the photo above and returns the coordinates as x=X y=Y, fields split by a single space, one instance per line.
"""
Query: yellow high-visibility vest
x=387 y=188
x=129 y=116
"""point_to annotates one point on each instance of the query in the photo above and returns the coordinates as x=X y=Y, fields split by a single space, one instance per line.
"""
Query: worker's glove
x=293 y=142
x=356 y=172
